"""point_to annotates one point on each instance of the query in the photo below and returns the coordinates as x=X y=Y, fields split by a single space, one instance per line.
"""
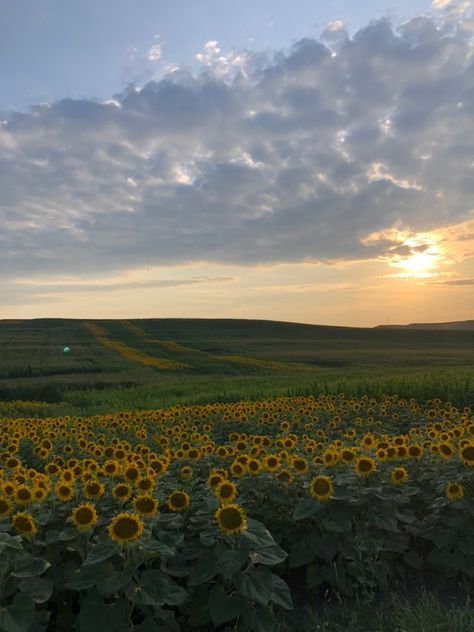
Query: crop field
x=226 y=516
x=152 y=363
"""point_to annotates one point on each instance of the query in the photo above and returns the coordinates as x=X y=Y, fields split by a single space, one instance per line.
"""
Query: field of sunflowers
x=222 y=516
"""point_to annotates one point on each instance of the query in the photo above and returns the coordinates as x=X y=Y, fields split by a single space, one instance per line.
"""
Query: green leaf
x=96 y=616
x=113 y=582
x=86 y=577
x=231 y=561
x=205 y=569
x=68 y=534
x=39 y=589
x=30 y=567
x=260 y=619
x=19 y=616
x=224 y=607
x=160 y=588
x=257 y=533
x=156 y=548
x=100 y=552
x=10 y=542
x=306 y=508
x=271 y=555
x=256 y=585
x=281 y=593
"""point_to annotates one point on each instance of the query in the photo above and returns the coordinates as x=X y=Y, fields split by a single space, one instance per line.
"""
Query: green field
x=157 y=362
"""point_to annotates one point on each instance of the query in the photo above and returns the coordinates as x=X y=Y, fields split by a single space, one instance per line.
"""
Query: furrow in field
x=130 y=352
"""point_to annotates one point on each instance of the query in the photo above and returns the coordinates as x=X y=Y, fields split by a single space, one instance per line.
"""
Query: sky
x=297 y=161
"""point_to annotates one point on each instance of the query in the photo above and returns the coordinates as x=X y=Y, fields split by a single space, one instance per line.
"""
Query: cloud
x=454 y=282
x=155 y=52
x=100 y=286
x=260 y=158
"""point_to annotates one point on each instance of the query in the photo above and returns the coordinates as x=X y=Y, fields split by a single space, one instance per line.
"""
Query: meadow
x=235 y=476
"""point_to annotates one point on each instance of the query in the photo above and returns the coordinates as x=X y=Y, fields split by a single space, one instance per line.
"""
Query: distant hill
x=465 y=325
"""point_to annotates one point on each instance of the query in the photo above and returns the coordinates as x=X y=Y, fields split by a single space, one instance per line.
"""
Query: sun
x=419 y=264
x=422 y=257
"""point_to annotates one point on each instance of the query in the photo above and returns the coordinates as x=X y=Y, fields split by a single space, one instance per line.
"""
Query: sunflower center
x=321 y=486
x=178 y=499
x=468 y=453
x=84 y=515
x=231 y=518
x=145 y=505
x=126 y=528
x=23 y=523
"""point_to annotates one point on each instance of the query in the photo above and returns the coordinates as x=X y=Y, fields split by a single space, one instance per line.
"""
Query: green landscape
x=167 y=361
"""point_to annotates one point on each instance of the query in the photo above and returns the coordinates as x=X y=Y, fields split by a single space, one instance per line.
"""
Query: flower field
x=222 y=516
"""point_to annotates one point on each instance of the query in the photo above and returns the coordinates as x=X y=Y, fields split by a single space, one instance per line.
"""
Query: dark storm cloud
x=299 y=158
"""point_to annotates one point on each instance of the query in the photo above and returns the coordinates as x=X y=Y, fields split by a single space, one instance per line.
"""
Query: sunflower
x=111 y=467
x=146 y=505
x=299 y=464
x=24 y=523
x=398 y=475
x=39 y=494
x=121 y=492
x=466 y=454
x=145 y=483
x=125 y=527
x=178 y=501
x=237 y=469
x=415 y=451
x=272 y=462
x=348 y=455
x=285 y=476
x=226 y=492
x=23 y=495
x=321 y=487
x=446 y=450
x=186 y=472
x=231 y=519
x=5 y=506
x=64 y=491
x=254 y=466
x=84 y=516
x=454 y=491
x=365 y=465
x=214 y=479
x=93 y=489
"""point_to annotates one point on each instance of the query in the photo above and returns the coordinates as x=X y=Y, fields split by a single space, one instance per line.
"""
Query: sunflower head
x=398 y=475
x=231 y=519
x=64 y=491
x=5 y=506
x=466 y=454
x=226 y=491
x=23 y=495
x=93 y=489
x=365 y=465
x=24 y=524
x=454 y=491
x=121 y=492
x=84 y=516
x=321 y=487
x=125 y=527
x=146 y=505
x=178 y=501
